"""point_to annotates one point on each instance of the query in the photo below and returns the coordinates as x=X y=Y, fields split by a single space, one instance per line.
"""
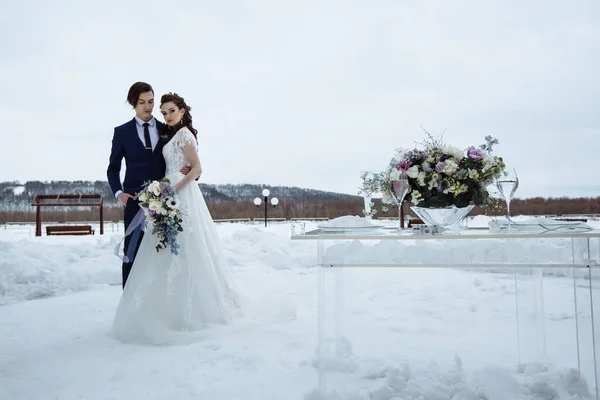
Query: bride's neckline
x=181 y=129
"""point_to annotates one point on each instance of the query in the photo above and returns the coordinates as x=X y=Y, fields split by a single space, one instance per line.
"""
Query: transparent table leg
x=585 y=292
x=530 y=315
x=518 y=317
x=593 y=258
x=321 y=318
x=539 y=314
x=340 y=342
x=594 y=276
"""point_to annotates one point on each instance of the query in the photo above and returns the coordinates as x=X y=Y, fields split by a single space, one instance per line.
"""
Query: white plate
x=545 y=226
x=348 y=228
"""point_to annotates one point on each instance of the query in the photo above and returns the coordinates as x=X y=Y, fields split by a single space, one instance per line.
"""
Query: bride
x=170 y=298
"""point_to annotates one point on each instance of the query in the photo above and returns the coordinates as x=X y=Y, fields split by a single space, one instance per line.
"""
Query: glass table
x=526 y=255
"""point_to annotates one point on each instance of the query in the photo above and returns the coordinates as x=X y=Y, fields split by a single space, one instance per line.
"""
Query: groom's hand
x=124 y=197
x=185 y=170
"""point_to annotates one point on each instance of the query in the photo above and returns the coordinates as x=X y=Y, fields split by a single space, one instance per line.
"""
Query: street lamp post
x=274 y=202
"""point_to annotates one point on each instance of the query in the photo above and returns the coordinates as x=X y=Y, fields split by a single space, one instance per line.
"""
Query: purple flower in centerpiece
x=474 y=153
x=152 y=213
x=440 y=167
x=403 y=166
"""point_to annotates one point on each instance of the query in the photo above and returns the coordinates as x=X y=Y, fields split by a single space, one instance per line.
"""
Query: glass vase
x=446 y=217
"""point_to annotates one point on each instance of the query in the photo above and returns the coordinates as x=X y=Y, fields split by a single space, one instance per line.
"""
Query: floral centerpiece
x=160 y=204
x=440 y=175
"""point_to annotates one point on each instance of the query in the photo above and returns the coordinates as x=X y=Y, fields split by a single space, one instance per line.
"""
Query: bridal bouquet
x=440 y=175
x=161 y=206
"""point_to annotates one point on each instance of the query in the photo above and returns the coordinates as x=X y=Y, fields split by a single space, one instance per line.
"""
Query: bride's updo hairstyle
x=186 y=120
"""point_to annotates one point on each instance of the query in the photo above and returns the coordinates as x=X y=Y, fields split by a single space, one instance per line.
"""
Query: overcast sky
x=307 y=93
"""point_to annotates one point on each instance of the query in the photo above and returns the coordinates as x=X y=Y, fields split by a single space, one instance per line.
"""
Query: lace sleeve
x=185 y=137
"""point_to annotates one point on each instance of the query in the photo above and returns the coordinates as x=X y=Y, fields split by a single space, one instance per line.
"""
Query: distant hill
x=15 y=196
x=247 y=191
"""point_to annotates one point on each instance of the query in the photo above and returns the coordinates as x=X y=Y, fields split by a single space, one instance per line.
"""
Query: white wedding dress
x=169 y=298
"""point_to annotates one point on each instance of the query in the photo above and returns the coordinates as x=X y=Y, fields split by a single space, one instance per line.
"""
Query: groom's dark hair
x=135 y=90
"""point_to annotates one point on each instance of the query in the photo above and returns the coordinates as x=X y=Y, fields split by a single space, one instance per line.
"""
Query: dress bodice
x=174 y=156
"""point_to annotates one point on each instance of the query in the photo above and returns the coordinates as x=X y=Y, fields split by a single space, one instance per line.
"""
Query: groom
x=139 y=143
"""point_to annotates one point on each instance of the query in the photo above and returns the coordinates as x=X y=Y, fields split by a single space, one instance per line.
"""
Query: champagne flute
x=507 y=185
x=400 y=189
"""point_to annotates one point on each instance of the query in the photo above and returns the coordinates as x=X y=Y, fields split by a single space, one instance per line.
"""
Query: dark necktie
x=147 y=136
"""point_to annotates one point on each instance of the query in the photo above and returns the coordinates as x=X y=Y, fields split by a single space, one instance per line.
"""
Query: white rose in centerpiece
x=413 y=171
x=395 y=175
x=450 y=166
x=454 y=152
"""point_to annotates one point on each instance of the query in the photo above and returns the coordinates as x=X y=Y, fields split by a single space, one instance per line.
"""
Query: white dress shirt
x=152 y=128
x=139 y=125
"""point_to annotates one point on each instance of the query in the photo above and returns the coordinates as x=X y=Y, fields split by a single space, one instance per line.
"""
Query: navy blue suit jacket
x=141 y=165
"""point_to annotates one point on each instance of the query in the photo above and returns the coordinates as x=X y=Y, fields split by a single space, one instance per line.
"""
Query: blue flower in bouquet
x=159 y=201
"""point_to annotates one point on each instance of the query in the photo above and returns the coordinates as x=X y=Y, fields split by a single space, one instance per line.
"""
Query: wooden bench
x=572 y=219
x=415 y=221
x=69 y=230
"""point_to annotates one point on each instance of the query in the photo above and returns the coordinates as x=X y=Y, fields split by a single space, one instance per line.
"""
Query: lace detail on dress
x=187 y=314
x=174 y=268
x=173 y=153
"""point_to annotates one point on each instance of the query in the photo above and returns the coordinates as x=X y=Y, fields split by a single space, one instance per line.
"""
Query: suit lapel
x=160 y=129
x=133 y=133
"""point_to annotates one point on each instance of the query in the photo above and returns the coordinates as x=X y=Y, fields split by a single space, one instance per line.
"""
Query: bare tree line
x=289 y=209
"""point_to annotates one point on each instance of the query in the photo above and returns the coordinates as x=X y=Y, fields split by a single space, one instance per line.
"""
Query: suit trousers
x=132 y=242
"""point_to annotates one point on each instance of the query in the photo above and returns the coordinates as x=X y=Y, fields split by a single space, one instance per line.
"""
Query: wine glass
x=507 y=185
x=400 y=189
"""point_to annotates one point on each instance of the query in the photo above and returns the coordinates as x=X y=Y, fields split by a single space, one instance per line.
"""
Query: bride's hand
x=185 y=170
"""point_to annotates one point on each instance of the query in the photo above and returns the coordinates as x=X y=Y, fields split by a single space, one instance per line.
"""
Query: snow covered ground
x=409 y=333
